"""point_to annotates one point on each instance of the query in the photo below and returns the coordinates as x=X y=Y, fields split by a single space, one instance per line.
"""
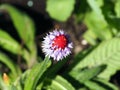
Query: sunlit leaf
x=58 y=83
x=98 y=26
x=8 y=43
x=100 y=84
x=117 y=8
x=107 y=53
x=95 y=5
x=94 y=86
x=87 y=74
x=90 y=37
x=107 y=84
x=99 y=3
x=11 y=45
x=96 y=22
x=60 y=9
x=19 y=82
x=23 y=24
x=36 y=73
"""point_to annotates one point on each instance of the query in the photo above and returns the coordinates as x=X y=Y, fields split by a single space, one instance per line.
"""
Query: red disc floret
x=59 y=42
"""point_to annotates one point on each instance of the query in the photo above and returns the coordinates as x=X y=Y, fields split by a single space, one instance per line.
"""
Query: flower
x=57 y=45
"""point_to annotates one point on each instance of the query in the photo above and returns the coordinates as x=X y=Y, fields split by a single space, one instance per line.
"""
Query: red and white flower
x=57 y=45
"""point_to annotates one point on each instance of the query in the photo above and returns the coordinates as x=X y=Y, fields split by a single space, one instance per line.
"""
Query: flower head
x=57 y=45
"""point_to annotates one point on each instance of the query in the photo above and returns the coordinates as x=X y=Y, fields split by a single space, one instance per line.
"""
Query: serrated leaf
x=108 y=53
x=23 y=24
x=58 y=83
x=87 y=74
x=60 y=9
x=36 y=73
x=8 y=62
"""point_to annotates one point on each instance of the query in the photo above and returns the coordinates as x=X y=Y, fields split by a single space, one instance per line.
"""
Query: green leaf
x=12 y=87
x=53 y=71
x=23 y=24
x=94 y=86
x=8 y=62
x=107 y=84
x=58 y=83
x=100 y=84
x=8 y=43
x=108 y=53
x=20 y=81
x=35 y=74
x=90 y=37
x=87 y=74
x=56 y=67
x=77 y=59
x=117 y=8
x=26 y=30
x=99 y=3
x=60 y=9
x=96 y=22
x=95 y=5
x=98 y=26
x=11 y=45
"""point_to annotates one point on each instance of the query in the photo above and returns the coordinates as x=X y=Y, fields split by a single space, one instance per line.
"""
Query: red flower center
x=60 y=41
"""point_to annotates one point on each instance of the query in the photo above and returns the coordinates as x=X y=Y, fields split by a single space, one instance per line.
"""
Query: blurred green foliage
x=91 y=69
x=60 y=9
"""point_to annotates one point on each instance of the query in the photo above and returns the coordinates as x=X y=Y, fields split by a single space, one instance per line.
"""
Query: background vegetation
x=23 y=68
